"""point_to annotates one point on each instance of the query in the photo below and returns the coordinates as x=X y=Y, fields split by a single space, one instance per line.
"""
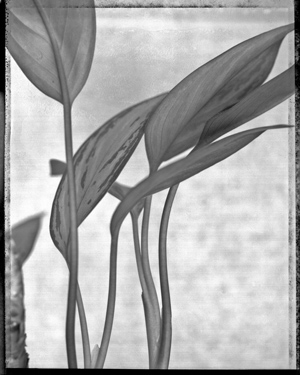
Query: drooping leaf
x=24 y=236
x=195 y=91
x=253 y=105
x=98 y=162
x=240 y=85
x=71 y=23
x=195 y=162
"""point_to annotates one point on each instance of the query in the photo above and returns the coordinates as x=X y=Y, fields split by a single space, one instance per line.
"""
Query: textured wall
x=228 y=236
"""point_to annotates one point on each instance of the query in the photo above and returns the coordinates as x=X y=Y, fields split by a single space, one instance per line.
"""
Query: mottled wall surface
x=228 y=236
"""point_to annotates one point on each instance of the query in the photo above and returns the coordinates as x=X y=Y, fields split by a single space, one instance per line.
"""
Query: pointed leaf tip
x=195 y=91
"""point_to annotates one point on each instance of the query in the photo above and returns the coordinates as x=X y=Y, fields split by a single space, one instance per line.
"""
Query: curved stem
x=73 y=259
x=150 y=317
x=111 y=301
x=166 y=338
x=84 y=331
x=152 y=313
x=137 y=249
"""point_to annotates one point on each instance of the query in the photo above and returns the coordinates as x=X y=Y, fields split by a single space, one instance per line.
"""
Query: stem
x=148 y=308
x=73 y=258
x=166 y=339
x=111 y=301
x=84 y=331
x=137 y=249
x=152 y=313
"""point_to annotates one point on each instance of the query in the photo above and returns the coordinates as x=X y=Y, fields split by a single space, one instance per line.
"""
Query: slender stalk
x=148 y=307
x=166 y=336
x=111 y=301
x=84 y=332
x=152 y=313
x=73 y=259
x=136 y=239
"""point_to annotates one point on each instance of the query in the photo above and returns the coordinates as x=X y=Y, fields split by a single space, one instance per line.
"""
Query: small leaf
x=247 y=80
x=24 y=236
x=29 y=42
x=195 y=91
x=95 y=352
x=57 y=167
x=98 y=162
x=195 y=162
x=256 y=103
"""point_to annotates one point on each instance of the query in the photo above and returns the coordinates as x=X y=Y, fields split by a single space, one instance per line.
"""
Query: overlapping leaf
x=247 y=80
x=195 y=91
x=195 y=162
x=73 y=28
x=98 y=163
x=257 y=102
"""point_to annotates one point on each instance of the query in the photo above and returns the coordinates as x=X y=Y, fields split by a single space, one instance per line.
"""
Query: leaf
x=73 y=28
x=195 y=91
x=247 y=80
x=117 y=190
x=24 y=236
x=257 y=102
x=57 y=167
x=195 y=162
x=97 y=163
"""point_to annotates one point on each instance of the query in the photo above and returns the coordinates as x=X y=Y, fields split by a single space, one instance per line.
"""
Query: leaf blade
x=253 y=105
x=97 y=164
x=30 y=45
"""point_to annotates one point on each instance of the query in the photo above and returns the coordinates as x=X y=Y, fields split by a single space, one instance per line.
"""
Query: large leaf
x=247 y=80
x=98 y=162
x=257 y=102
x=33 y=35
x=195 y=162
x=24 y=236
x=195 y=91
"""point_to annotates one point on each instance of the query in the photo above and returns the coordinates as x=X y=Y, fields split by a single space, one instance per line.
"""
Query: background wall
x=228 y=236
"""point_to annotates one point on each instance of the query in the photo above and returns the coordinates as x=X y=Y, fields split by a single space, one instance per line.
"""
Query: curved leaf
x=29 y=42
x=256 y=103
x=195 y=162
x=24 y=236
x=195 y=91
x=247 y=80
x=98 y=162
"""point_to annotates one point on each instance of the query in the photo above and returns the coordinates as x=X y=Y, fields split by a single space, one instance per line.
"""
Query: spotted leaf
x=98 y=162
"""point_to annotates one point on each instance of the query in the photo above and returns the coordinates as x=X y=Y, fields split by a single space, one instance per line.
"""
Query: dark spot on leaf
x=89 y=202
x=83 y=179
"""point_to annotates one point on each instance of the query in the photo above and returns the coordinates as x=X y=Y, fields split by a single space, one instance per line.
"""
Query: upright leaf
x=98 y=162
x=240 y=85
x=195 y=91
x=73 y=24
x=195 y=162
